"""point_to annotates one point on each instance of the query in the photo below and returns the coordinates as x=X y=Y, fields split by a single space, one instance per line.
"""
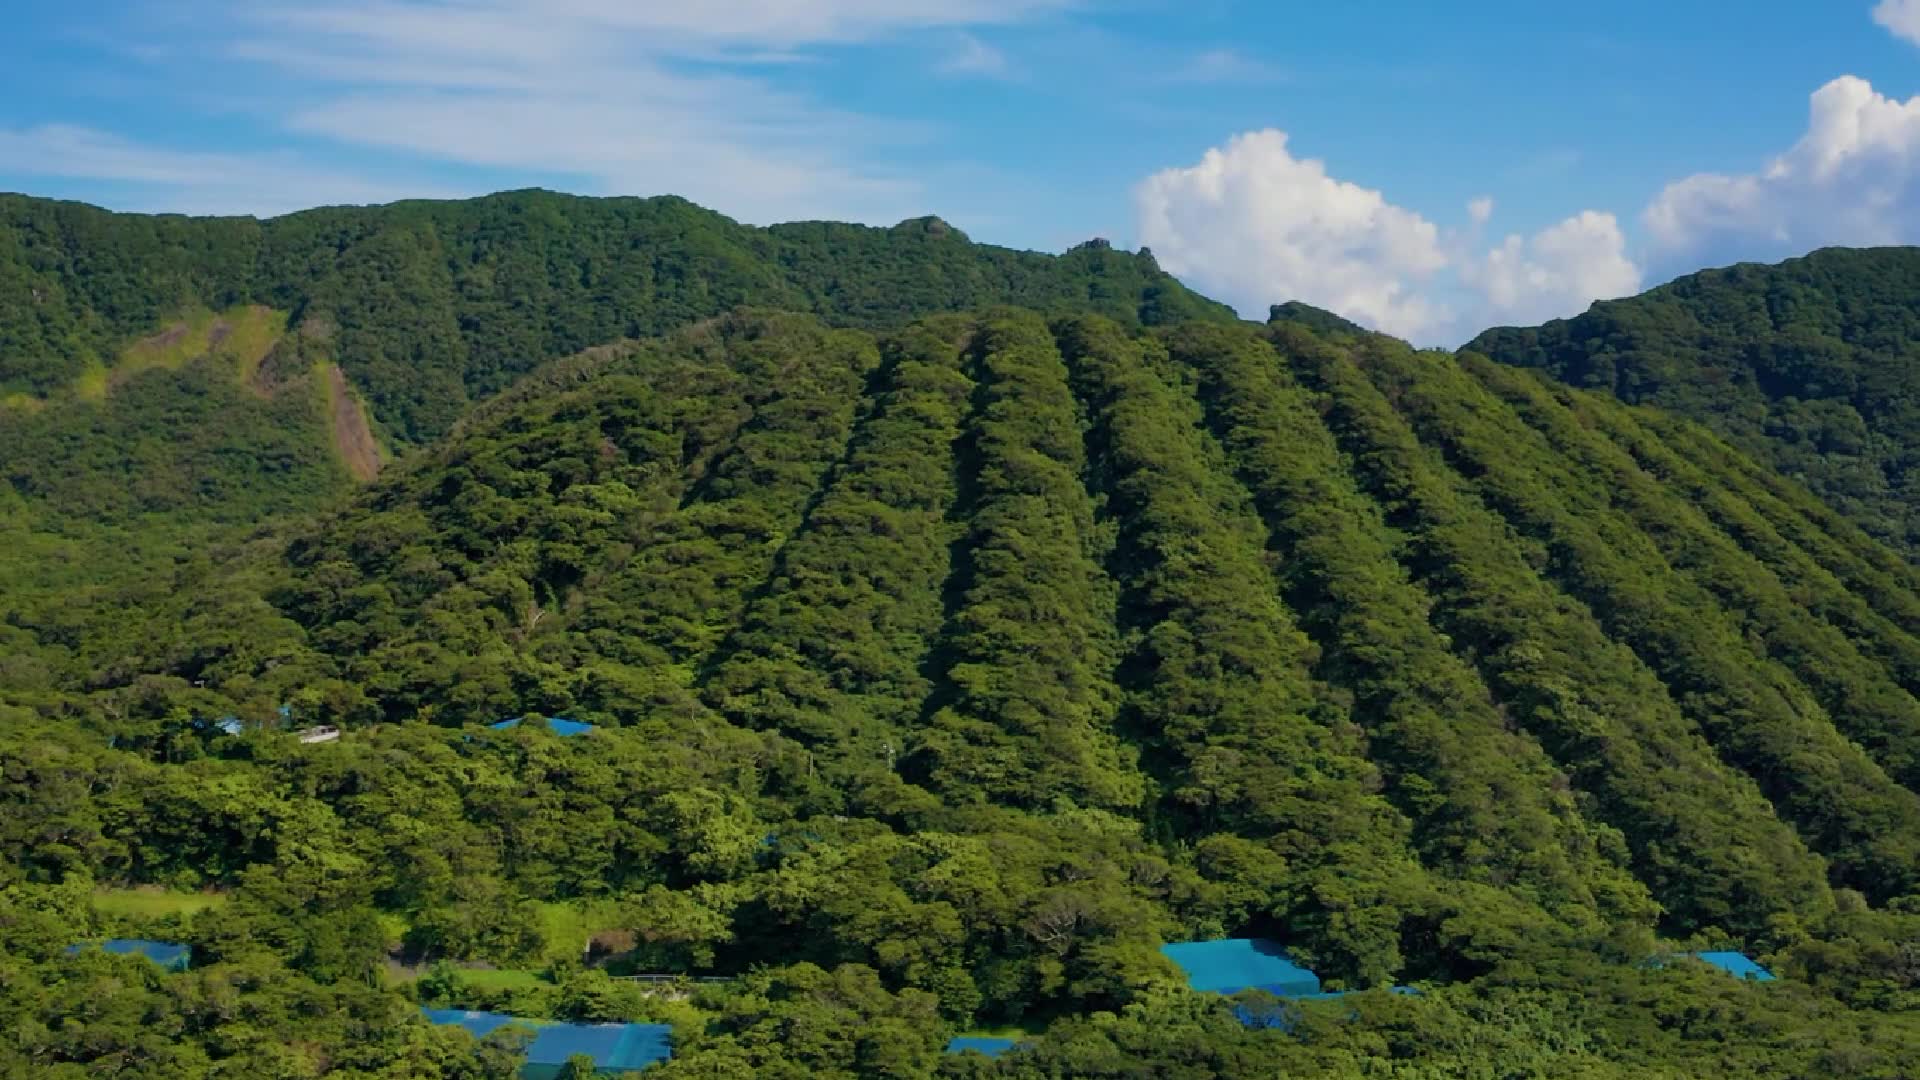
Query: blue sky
x=1427 y=168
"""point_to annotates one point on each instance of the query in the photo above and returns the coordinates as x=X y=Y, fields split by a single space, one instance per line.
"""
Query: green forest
x=1807 y=366
x=956 y=627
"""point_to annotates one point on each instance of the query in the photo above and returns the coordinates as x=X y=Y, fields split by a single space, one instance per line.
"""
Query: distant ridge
x=1812 y=366
x=408 y=315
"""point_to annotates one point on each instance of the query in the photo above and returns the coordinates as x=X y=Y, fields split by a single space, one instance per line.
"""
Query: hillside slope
x=991 y=652
x=704 y=517
x=227 y=417
x=438 y=304
x=1812 y=366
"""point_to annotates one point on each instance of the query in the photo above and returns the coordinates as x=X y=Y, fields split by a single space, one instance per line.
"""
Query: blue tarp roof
x=557 y=724
x=169 y=955
x=478 y=1024
x=980 y=1044
x=1236 y=964
x=613 y=1047
x=1735 y=963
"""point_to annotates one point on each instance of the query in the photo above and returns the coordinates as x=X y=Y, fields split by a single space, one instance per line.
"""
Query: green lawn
x=152 y=903
x=502 y=978
x=567 y=925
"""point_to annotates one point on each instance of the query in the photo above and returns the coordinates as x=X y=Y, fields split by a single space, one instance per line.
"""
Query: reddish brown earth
x=351 y=435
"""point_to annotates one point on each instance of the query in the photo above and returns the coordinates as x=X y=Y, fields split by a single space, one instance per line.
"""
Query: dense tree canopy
x=1808 y=365
x=940 y=674
x=955 y=626
x=432 y=305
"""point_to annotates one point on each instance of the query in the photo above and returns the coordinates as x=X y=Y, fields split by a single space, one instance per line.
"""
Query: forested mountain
x=431 y=305
x=940 y=670
x=1812 y=366
x=167 y=380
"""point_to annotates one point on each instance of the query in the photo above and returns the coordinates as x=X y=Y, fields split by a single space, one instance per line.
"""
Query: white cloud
x=1480 y=210
x=601 y=96
x=1254 y=225
x=1900 y=17
x=492 y=26
x=1852 y=179
x=971 y=56
x=1556 y=272
x=621 y=97
x=195 y=182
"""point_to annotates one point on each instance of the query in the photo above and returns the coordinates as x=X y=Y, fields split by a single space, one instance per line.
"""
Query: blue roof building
x=559 y=725
x=1236 y=964
x=614 y=1048
x=979 y=1044
x=171 y=956
x=1737 y=964
x=478 y=1024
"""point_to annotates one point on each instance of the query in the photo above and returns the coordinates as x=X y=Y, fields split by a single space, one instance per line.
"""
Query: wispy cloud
x=607 y=96
x=523 y=26
x=1223 y=66
x=624 y=96
x=971 y=56
x=159 y=178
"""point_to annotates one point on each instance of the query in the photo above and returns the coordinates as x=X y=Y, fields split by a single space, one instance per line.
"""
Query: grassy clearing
x=91 y=385
x=252 y=334
x=243 y=335
x=503 y=979
x=152 y=903
x=567 y=926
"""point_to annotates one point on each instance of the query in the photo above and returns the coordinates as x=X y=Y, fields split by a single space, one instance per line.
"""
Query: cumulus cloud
x=1900 y=17
x=1852 y=179
x=1556 y=272
x=1255 y=225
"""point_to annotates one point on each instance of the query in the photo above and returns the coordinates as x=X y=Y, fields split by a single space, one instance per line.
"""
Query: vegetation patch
x=151 y=902
x=241 y=336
